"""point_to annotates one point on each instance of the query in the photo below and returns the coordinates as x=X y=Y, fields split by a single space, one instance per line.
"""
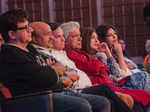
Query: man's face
x=23 y=33
x=74 y=40
x=58 y=40
x=44 y=36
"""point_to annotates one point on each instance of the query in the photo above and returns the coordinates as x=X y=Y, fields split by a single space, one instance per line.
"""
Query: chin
x=78 y=48
x=30 y=40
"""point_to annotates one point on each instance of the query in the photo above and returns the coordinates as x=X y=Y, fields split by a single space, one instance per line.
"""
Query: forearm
x=121 y=62
x=108 y=53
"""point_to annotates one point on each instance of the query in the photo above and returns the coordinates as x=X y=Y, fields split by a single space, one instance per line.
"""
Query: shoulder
x=14 y=54
x=73 y=53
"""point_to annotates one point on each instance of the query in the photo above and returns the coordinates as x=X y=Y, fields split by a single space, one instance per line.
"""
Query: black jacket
x=20 y=72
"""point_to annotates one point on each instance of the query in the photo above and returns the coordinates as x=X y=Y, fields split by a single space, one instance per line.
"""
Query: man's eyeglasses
x=76 y=35
x=27 y=27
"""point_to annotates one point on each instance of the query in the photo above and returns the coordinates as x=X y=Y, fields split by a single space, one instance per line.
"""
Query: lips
x=79 y=43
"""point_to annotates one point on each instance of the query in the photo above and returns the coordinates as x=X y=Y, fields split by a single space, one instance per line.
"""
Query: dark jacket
x=20 y=72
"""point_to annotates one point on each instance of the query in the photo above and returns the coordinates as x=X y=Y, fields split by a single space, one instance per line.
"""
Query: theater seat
x=38 y=103
x=35 y=102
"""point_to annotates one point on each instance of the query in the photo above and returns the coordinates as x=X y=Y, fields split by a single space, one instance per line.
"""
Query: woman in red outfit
x=95 y=68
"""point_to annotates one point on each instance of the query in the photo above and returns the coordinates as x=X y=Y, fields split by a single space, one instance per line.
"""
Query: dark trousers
x=117 y=105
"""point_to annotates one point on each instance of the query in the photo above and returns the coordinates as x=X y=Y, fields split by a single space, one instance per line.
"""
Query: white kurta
x=61 y=56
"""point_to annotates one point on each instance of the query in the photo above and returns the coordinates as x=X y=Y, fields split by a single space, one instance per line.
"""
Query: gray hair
x=69 y=27
x=147 y=46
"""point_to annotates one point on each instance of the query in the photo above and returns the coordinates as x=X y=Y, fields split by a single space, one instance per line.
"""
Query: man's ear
x=67 y=43
x=11 y=35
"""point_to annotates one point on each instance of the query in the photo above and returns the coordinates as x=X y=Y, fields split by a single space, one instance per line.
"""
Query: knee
x=106 y=105
x=84 y=106
x=102 y=104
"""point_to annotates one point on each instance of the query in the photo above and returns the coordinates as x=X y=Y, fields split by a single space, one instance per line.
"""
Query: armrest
x=30 y=95
x=6 y=93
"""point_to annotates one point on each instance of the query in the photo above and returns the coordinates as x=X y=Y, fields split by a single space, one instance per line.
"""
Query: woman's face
x=111 y=37
x=94 y=42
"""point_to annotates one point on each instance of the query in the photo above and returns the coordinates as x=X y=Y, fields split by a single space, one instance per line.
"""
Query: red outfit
x=99 y=74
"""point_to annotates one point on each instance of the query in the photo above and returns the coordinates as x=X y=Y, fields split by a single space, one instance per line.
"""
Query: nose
x=62 y=38
x=97 y=41
x=115 y=36
x=79 y=37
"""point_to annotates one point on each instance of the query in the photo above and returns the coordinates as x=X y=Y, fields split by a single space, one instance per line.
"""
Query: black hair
x=86 y=34
x=54 y=26
x=9 y=21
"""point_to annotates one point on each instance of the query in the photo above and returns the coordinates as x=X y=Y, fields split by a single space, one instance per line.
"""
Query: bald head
x=40 y=27
x=42 y=34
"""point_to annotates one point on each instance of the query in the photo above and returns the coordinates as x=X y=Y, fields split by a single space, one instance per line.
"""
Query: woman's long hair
x=86 y=34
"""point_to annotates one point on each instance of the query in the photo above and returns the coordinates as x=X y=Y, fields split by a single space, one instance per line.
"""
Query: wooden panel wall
x=83 y=11
x=37 y=9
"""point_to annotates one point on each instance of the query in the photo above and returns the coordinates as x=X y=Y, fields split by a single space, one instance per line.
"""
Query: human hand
x=49 y=61
x=67 y=82
x=59 y=68
x=117 y=48
x=73 y=77
x=126 y=98
x=130 y=66
x=103 y=47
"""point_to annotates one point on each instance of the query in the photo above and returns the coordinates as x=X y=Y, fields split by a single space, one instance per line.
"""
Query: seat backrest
x=33 y=102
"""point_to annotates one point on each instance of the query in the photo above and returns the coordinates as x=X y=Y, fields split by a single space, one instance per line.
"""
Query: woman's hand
x=130 y=65
x=117 y=48
x=103 y=47
x=126 y=98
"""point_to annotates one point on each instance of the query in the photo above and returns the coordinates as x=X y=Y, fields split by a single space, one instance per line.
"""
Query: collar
x=41 y=48
x=57 y=51
x=11 y=44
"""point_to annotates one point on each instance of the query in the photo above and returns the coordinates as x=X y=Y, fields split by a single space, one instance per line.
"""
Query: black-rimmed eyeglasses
x=27 y=27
